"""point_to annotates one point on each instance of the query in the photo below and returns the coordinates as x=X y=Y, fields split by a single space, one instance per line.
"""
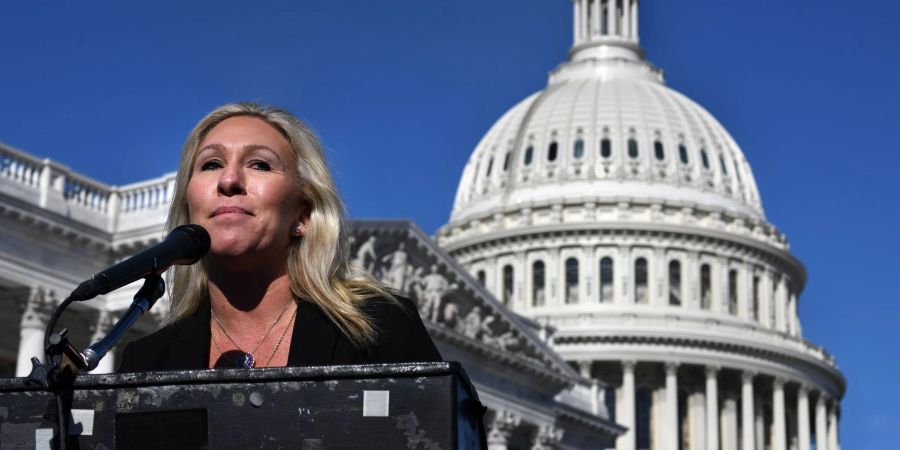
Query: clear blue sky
x=402 y=90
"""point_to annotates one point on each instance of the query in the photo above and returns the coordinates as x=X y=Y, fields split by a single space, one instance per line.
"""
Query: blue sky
x=402 y=90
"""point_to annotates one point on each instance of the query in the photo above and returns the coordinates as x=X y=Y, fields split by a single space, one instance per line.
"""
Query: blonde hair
x=318 y=265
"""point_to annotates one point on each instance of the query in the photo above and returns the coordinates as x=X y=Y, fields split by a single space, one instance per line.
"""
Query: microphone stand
x=64 y=362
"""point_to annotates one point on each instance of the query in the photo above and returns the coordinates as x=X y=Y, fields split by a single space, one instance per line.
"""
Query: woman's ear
x=303 y=219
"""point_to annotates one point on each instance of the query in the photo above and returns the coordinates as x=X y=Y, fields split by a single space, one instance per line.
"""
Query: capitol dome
x=623 y=216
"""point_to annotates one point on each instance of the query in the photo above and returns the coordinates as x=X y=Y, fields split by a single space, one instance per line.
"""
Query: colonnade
x=602 y=18
x=38 y=308
x=708 y=407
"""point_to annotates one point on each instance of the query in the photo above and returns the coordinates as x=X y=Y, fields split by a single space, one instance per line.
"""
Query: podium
x=389 y=406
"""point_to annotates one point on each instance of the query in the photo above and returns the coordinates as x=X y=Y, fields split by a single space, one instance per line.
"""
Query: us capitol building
x=607 y=277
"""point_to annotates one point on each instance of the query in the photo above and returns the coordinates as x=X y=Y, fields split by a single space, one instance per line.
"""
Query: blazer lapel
x=314 y=337
x=190 y=348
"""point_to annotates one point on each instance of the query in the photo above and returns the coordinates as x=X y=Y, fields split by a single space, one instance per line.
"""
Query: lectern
x=390 y=406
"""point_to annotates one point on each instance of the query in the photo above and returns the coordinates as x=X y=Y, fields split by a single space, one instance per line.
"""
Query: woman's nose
x=231 y=181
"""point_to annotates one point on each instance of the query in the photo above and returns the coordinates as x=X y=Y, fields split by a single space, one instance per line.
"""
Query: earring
x=298 y=230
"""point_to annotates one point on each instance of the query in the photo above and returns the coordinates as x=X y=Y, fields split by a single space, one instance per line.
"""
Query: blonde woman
x=277 y=287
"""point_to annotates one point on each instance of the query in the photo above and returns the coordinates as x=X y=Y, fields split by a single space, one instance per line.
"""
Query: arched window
x=482 y=277
x=606 y=280
x=675 y=283
x=705 y=287
x=658 y=151
x=722 y=163
x=506 y=161
x=704 y=158
x=732 y=292
x=490 y=167
x=640 y=281
x=682 y=153
x=551 y=152
x=578 y=149
x=605 y=148
x=508 y=281
x=571 y=280
x=538 y=284
x=529 y=154
x=632 y=148
x=755 y=306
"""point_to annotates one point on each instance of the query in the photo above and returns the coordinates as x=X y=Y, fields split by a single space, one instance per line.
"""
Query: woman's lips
x=229 y=210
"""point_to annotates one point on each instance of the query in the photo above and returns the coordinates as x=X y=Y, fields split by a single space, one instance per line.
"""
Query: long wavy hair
x=318 y=265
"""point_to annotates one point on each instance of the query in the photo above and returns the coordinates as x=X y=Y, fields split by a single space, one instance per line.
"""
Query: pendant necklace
x=246 y=359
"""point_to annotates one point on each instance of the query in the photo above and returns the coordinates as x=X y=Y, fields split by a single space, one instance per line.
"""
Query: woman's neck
x=249 y=298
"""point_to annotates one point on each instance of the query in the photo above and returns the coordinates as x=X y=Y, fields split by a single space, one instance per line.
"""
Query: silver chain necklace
x=246 y=359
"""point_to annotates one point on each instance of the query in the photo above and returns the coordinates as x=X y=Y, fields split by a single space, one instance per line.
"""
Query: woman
x=277 y=287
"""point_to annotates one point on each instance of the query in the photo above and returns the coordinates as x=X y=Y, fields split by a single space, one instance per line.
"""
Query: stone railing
x=56 y=188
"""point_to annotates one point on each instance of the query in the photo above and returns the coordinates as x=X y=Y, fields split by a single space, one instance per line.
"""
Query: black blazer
x=315 y=340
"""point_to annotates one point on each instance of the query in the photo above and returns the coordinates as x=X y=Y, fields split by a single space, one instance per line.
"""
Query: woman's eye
x=210 y=165
x=261 y=165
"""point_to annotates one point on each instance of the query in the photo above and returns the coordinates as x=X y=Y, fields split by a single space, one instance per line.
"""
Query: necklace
x=246 y=359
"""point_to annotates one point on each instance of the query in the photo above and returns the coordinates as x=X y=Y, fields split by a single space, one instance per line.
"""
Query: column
x=626 y=19
x=833 y=428
x=729 y=422
x=584 y=26
x=622 y=268
x=595 y=18
x=696 y=417
x=821 y=427
x=760 y=423
x=501 y=428
x=104 y=323
x=712 y=408
x=634 y=20
x=575 y=22
x=779 y=436
x=671 y=426
x=625 y=408
x=611 y=18
x=803 y=418
x=31 y=329
x=747 y=410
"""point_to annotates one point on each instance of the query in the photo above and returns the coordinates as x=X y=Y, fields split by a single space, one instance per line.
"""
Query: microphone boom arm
x=154 y=287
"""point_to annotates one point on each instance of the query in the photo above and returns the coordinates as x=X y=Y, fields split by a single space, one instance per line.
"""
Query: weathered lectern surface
x=414 y=406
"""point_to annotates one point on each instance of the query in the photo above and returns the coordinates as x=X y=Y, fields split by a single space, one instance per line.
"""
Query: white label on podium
x=42 y=438
x=82 y=422
x=376 y=403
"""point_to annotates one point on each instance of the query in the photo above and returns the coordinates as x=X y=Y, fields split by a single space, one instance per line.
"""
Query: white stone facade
x=621 y=213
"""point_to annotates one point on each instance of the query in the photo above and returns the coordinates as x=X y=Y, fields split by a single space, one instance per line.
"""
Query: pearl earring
x=298 y=230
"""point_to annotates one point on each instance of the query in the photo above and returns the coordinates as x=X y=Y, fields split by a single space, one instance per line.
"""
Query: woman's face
x=242 y=191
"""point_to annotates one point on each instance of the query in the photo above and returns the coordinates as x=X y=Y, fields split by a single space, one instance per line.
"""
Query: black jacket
x=315 y=340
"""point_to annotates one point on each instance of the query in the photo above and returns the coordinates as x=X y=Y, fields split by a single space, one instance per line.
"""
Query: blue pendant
x=245 y=360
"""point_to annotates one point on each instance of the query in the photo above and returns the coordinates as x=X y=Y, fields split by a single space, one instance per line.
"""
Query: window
x=538 y=284
x=481 y=277
x=571 y=280
x=658 y=151
x=632 y=148
x=578 y=150
x=551 y=152
x=705 y=287
x=640 y=281
x=732 y=292
x=755 y=306
x=605 y=148
x=529 y=153
x=606 y=280
x=682 y=153
x=722 y=163
x=675 y=283
x=704 y=158
x=506 y=161
x=508 y=281
x=490 y=167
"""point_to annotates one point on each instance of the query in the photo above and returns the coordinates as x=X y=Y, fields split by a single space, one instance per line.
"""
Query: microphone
x=185 y=245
